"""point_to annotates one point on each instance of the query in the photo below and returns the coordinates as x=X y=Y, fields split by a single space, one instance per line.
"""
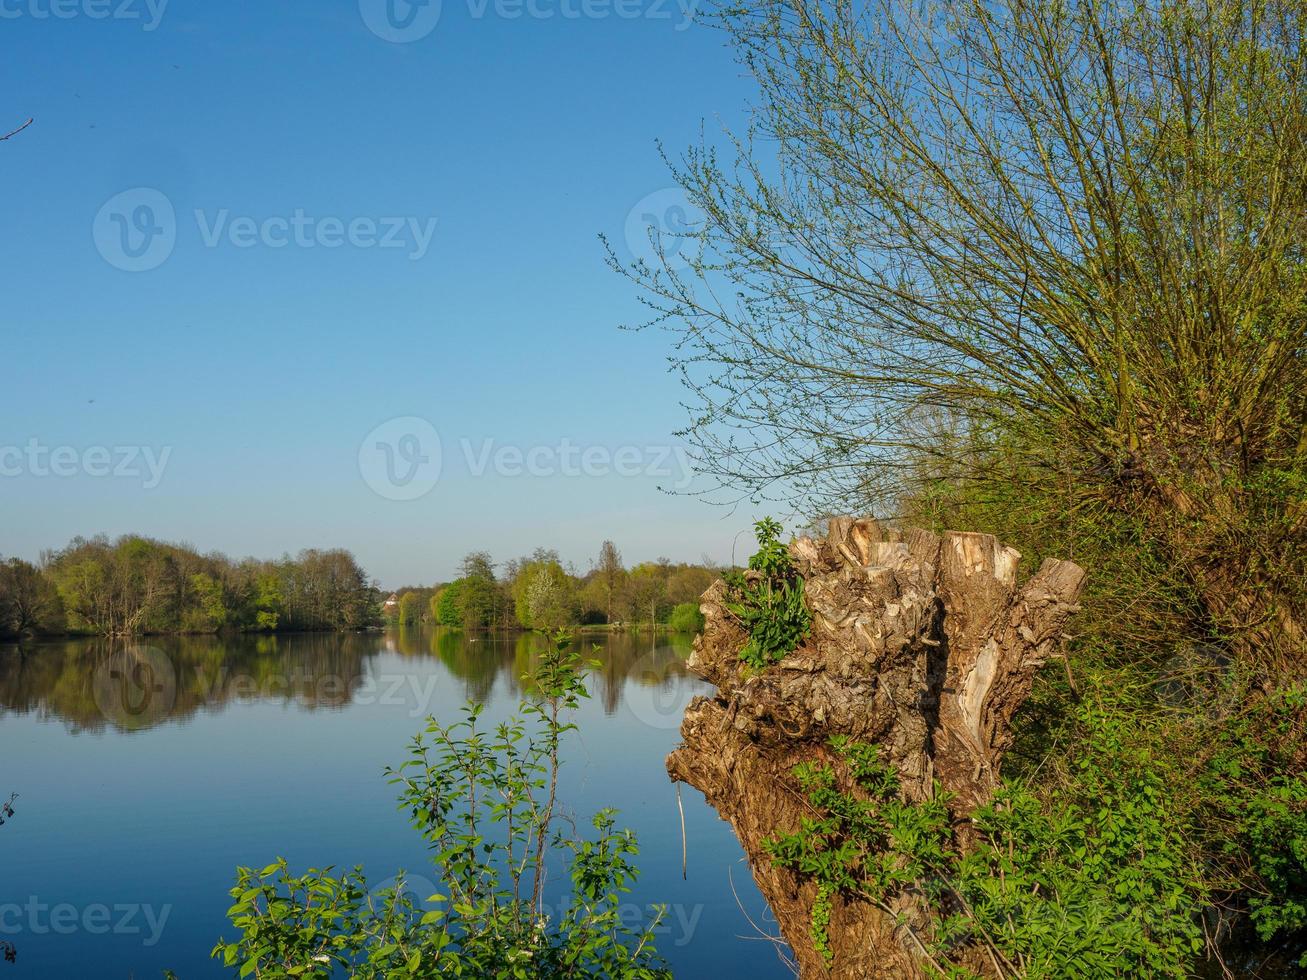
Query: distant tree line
x=136 y=585
x=538 y=591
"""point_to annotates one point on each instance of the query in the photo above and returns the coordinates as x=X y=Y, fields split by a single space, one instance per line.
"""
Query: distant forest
x=538 y=592
x=135 y=585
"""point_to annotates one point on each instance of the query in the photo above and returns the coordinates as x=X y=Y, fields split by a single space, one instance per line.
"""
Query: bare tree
x=610 y=572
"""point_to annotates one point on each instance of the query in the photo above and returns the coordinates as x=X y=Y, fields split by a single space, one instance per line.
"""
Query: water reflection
x=233 y=750
x=93 y=684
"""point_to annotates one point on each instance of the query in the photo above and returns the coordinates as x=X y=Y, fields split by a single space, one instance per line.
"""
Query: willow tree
x=1056 y=239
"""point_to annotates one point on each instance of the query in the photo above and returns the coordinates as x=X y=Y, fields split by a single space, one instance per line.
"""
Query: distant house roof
x=393 y=600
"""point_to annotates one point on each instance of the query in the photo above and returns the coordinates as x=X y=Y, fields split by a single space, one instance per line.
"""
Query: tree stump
x=921 y=644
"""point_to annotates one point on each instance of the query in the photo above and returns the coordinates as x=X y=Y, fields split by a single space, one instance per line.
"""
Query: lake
x=136 y=804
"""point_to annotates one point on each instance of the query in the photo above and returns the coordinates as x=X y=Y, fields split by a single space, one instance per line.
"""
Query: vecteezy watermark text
x=302 y=230
x=138 y=230
x=37 y=918
x=148 y=12
x=402 y=458
x=675 y=922
x=406 y=21
x=572 y=460
x=35 y=459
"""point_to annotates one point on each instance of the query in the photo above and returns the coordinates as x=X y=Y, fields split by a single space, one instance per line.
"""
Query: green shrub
x=863 y=840
x=1094 y=876
x=685 y=618
x=1255 y=791
x=1094 y=880
x=769 y=604
x=484 y=800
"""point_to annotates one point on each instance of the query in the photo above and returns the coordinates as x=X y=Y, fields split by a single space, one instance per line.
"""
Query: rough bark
x=921 y=644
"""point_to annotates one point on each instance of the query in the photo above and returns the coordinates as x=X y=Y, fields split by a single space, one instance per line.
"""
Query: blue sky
x=254 y=361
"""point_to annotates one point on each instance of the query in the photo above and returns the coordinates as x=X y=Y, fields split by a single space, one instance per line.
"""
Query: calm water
x=137 y=805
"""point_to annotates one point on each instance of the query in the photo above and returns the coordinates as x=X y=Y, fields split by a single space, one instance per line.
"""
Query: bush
x=1095 y=880
x=1253 y=790
x=685 y=618
x=768 y=600
x=484 y=801
x=1097 y=877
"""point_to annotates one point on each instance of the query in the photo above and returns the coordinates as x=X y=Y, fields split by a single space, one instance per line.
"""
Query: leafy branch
x=485 y=801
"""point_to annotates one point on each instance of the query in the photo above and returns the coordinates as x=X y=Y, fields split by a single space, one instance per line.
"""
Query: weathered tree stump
x=921 y=644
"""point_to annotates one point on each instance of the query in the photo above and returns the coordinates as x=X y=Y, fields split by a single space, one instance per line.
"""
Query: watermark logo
x=400 y=459
x=135 y=687
x=136 y=231
x=405 y=21
x=660 y=229
x=1202 y=682
x=655 y=698
x=414 y=692
x=400 y=21
x=676 y=922
x=420 y=892
x=148 y=12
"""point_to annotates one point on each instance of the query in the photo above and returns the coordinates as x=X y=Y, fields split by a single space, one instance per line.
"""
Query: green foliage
x=473 y=601
x=410 y=608
x=1097 y=878
x=29 y=602
x=646 y=592
x=768 y=600
x=206 y=612
x=269 y=605
x=1230 y=756
x=1084 y=332
x=1109 y=281
x=685 y=618
x=864 y=840
x=544 y=595
x=1255 y=788
x=449 y=605
x=484 y=800
x=1094 y=880
x=480 y=602
x=1275 y=827
x=135 y=585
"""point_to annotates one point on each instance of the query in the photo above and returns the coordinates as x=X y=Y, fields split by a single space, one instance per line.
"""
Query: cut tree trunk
x=921 y=644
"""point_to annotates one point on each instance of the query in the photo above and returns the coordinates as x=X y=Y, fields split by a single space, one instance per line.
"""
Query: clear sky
x=243 y=237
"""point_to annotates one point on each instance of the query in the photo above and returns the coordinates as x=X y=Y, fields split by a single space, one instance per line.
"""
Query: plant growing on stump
x=768 y=600
x=864 y=839
x=924 y=646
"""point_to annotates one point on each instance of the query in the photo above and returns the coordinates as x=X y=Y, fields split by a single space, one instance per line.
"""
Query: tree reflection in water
x=94 y=684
